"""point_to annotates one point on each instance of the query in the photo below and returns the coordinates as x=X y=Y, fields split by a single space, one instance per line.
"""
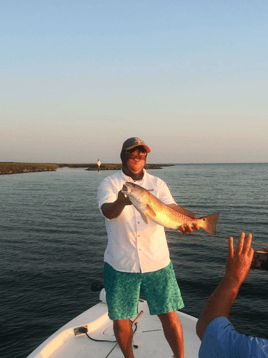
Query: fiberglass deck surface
x=149 y=338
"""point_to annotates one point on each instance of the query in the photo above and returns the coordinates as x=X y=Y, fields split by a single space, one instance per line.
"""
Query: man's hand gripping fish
x=152 y=208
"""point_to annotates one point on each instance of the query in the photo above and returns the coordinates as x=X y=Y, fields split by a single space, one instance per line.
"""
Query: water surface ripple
x=53 y=239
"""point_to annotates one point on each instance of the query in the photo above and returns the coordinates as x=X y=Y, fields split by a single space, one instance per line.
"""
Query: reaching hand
x=124 y=199
x=113 y=210
x=239 y=261
x=187 y=229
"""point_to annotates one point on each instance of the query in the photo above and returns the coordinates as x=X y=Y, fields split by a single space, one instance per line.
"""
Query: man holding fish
x=137 y=206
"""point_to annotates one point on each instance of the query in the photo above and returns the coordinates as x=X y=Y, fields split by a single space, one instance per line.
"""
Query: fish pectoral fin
x=144 y=217
x=151 y=211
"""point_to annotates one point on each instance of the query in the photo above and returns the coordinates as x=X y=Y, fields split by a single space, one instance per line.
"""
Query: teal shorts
x=160 y=288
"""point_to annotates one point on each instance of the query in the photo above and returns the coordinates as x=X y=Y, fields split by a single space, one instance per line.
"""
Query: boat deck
x=148 y=337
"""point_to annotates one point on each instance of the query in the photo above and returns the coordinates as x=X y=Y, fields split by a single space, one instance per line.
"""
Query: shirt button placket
x=138 y=246
x=138 y=235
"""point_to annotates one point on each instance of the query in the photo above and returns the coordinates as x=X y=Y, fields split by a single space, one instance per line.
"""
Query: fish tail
x=208 y=223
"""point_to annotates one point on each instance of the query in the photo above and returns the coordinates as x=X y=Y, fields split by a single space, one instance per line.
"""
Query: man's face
x=136 y=161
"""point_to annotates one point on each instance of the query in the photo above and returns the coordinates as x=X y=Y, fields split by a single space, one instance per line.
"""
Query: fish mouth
x=125 y=189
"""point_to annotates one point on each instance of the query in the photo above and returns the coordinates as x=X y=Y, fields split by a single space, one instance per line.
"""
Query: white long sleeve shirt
x=133 y=245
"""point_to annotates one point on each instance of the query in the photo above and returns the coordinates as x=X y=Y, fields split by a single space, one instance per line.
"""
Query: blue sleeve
x=222 y=341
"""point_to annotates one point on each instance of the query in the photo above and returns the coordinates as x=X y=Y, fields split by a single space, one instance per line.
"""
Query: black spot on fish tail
x=210 y=223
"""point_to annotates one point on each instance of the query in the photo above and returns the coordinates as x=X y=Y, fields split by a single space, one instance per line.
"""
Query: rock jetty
x=119 y=166
x=17 y=168
x=110 y=166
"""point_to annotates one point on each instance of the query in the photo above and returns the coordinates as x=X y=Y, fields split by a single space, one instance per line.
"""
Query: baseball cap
x=135 y=142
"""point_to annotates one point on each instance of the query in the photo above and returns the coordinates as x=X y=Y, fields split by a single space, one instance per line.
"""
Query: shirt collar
x=139 y=182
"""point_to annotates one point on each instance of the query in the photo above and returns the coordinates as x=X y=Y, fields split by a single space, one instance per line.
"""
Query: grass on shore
x=12 y=168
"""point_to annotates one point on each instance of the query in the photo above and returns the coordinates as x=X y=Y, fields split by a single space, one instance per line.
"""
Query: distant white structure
x=99 y=164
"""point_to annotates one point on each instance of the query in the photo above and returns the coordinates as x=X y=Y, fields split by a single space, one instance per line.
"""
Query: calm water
x=52 y=238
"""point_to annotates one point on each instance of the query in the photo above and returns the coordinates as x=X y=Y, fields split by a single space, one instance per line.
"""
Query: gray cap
x=135 y=142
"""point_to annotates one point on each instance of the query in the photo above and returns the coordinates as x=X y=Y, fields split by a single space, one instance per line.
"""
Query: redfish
x=155 y=210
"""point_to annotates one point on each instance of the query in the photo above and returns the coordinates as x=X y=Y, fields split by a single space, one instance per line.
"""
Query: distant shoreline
x=19 y=168
x=110 y=166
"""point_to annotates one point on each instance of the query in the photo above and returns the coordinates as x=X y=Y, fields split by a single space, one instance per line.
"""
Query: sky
x=190 y=78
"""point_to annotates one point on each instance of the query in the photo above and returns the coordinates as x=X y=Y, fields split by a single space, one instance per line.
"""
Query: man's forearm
x=112 y=210
x=219 y=304
x=237 y=267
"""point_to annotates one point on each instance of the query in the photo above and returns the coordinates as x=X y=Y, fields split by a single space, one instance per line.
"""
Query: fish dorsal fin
x=144 y=218
x=151 y=211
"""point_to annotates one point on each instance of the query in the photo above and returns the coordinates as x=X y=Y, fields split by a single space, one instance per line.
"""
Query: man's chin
x=135 y=174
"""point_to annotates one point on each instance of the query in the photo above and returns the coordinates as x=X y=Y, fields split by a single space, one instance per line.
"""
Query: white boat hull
x=148 y=338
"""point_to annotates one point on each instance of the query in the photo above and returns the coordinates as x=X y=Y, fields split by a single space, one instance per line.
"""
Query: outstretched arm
x=222 y=299
x=113 y=210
